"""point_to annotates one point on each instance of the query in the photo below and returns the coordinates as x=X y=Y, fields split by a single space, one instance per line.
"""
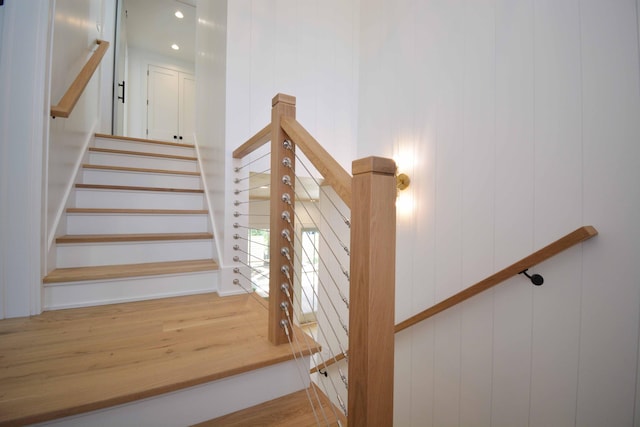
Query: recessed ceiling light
x=179 y=14
x=175 y=47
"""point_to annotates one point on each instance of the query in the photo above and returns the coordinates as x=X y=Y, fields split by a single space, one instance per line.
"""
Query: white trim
x=70 y=186
x=23 y=120
x=205 y=187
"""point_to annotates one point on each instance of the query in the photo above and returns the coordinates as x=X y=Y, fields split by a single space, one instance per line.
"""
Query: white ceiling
x=152 y=25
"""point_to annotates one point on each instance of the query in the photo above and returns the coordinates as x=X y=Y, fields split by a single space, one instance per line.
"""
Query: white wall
x=517 y=123
x=77 y=25
x=211 y=52
x=138 y=64
x=1 y=25
x=24 y=107
x=305 y=49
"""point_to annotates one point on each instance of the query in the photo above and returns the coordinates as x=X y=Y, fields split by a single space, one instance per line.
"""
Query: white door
x=171 y=105
x=187 y=123
x=162 y=103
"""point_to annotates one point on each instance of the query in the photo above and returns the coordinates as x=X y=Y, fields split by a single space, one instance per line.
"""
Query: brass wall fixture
x=402 y=181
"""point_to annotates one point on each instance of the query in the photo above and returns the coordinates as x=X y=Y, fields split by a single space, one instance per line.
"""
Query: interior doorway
x=157 y=33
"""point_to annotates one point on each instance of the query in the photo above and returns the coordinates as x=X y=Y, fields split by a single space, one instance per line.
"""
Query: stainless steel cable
x=288 y=294
x=238 y=169
x=285 y=326
x=344 y=218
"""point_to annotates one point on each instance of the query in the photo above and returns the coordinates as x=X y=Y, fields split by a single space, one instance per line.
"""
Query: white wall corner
x=23 y=118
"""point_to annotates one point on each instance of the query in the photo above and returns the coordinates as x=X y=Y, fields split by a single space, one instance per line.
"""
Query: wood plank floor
x=293 y=410
x=71 y=361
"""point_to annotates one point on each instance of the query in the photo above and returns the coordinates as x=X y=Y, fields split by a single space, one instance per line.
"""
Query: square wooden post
x=282 y=106
x=372 y=293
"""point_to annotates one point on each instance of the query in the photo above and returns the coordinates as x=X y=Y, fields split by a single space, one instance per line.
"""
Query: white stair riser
x=131 y=161
x=124 y=199
x=139 y=179
x=100 y=292
x=199 y=403
x=78 y=223
x=92 y=254
x=116 y=144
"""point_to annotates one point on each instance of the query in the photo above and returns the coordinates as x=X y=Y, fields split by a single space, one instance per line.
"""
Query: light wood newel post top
x=283 y=98
x=377 y=165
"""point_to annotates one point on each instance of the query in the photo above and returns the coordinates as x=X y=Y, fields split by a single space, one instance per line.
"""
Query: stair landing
x=69 y=362
x=292 y=410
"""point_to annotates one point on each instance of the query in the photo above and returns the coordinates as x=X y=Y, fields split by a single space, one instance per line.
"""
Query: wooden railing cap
x=281 y=97
x=373 y=164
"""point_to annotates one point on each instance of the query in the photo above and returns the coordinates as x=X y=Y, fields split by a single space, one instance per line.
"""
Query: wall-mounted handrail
x=71 y=96
x=571 y=239
x=329 y=168
x=252 y=144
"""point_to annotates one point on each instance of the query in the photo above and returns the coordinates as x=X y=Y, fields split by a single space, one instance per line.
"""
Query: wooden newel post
x=282 y=106
x=372 y=292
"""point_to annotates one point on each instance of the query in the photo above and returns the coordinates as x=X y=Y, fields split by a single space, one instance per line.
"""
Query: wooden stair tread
x=138 y=211
x=292 y=410
x=67 y=362
x=137 y=188
x=146 y=237
x=145 y=170
x=77 y=274
x=141 y=153
x=149 y=141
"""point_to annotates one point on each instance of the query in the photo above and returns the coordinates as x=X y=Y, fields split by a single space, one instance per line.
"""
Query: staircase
x=137 y=229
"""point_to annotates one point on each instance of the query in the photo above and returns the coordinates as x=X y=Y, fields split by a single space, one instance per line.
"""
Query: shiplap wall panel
x=558 y=207
x=566 y=130
x=636 y=414
x=401 y=100
x=422 y=195
x=263 y=53
x=307 y=64
x=448 y=210
x=513 y=211
x=285 y=79
x=478 y=211
x=610 y=297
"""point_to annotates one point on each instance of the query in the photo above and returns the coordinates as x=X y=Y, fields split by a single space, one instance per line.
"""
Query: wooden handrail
x=71 y=96
x=332 y=172
x=571 y=239
x=256 y=141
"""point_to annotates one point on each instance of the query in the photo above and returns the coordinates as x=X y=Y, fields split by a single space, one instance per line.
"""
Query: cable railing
x=305 y=231
x=291 y=190
x=75 y=90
